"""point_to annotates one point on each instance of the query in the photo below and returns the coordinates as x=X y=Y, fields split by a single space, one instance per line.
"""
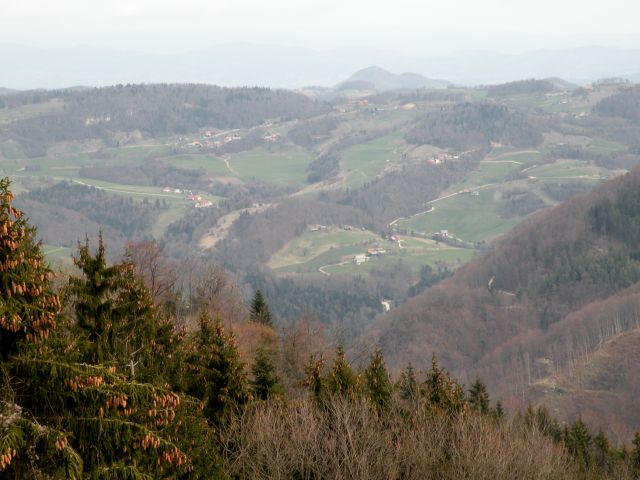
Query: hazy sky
x=412 y=26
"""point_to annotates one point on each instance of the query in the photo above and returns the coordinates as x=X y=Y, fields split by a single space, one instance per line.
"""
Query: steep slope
x=383 y=80
x=602 y=388
x=544 y=298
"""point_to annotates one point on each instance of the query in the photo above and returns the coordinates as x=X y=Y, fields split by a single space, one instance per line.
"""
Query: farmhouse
x=204 y=204
x=360 y=258
x=272 y=137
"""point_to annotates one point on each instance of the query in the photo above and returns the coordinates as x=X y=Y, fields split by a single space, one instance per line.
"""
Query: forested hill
x=152 y=110
x=541 y=301
x=625 y=104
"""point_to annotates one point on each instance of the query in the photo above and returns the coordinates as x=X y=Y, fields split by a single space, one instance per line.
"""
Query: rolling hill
x=543 y=301
x=383 y=80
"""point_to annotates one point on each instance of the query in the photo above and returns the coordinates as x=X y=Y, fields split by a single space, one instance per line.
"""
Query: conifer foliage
x=64 y=414
x=378 y=382
x=214 y=372
x=28 y=307
x=116 y=316
x=265 y=383
x=479 y=397
x=260 y=309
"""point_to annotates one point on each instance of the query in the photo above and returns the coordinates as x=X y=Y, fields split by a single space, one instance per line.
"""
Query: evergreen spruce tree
x=260 y=312
x=498 y=412
x=73 y=419
x=117 y=318
x=28 y=307
x=546 y=424
x=635 y=454
x=408 y=384
x=579 y=443
x=265 y=383
x=214 y=372
x=341 y=380
x=378 y=384
x=315 y=381
x=441 y=391
x=479 y=397
x=602 y=451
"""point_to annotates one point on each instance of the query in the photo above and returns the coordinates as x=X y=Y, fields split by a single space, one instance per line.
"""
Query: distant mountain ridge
x=382 y=80
x=241 y=64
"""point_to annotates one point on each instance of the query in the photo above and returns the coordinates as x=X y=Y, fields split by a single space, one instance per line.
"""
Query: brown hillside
x=546 y=296
x=602 y=390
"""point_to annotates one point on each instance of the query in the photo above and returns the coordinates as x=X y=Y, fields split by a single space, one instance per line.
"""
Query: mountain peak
x=383 y=80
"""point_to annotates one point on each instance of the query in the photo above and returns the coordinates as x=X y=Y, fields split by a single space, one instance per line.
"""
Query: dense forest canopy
x=468 y=125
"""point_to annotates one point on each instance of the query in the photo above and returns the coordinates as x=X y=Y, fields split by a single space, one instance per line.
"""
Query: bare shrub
x=345 y=439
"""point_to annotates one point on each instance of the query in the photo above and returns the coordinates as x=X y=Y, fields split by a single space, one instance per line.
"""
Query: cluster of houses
x=199 y=202
x=208 y=140
x=360 y=258
x=440 y=158
x=359 y=102
x=271 y=137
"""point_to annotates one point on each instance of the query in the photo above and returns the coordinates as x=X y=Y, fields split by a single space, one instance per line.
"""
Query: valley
x=377 y=204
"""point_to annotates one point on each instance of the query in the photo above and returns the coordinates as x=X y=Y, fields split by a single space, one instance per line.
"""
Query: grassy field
x=570 y=169
x=11 y=150
x=468 y=217
x=494 y=168
x=362 y=163
x=603 y=146
x=311 y=245
x=453 y=257
x=8 y=115
x=475 y=217
x=174 y=213
x=284 y=166
x=211 y=164
x=57 y=256
x=334 y=250
x=141 y=192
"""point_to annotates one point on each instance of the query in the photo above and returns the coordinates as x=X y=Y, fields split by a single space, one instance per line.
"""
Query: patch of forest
x=521 y=87
x=150 y=173
x=157 y=110
x=405 y=191
x=467 y=126
x=67 y=211
x=625 y=104
x=265 y=233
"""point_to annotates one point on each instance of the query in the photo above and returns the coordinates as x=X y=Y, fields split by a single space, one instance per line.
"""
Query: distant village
x=199 y=202
x=210 y=140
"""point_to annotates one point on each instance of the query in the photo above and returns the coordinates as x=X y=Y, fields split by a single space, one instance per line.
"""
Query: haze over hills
x=291 y=67
x=383 y=80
